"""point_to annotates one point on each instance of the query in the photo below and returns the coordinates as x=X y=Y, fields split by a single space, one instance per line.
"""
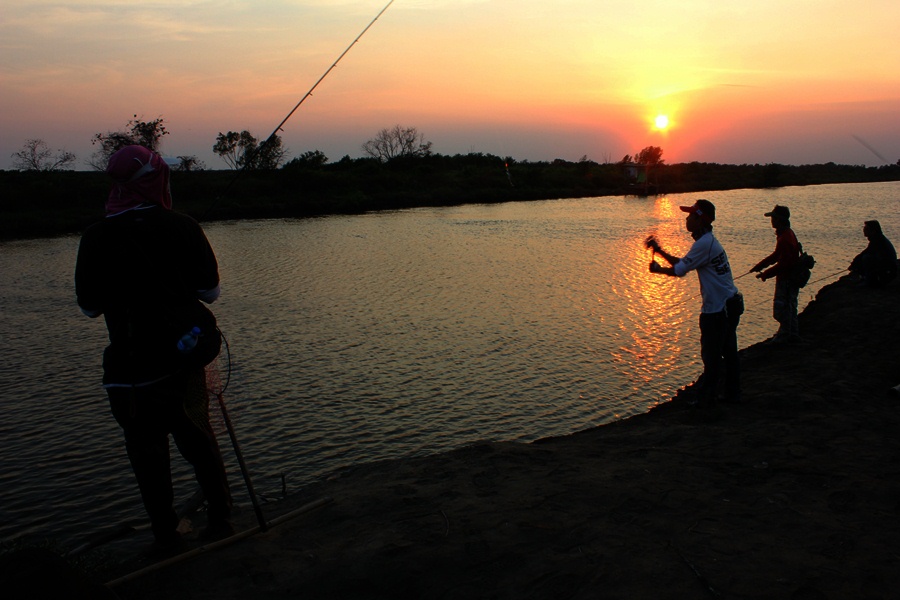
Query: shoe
x=216 y=530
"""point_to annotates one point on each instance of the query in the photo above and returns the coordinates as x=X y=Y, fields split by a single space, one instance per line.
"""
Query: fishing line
x=269 y=140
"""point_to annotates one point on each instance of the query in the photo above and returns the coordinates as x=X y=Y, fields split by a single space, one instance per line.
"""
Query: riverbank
x=793 y=494
x=49 y=204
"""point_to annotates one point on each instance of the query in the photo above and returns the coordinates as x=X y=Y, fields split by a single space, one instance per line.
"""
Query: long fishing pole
x=325 y=74
x=869 y=147
x=220 y=395
x=245 y=472
x=767 y=299
x=269 y=140
x=827 y=276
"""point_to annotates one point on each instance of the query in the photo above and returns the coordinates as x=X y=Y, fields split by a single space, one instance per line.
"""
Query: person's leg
x=793 y=300
x=712 y=337
x=147 y=445
x=732 y=359
x=196 y=441
x=781 y=309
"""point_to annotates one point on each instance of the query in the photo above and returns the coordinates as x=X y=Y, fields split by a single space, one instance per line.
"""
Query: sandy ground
x=794 y=493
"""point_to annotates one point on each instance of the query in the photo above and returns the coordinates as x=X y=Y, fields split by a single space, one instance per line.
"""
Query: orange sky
x=788 y=81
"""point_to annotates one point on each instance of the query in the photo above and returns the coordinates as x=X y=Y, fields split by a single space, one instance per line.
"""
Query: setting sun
x=662 y=121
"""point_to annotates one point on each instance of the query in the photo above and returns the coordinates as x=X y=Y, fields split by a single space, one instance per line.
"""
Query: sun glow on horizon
x=709 y=97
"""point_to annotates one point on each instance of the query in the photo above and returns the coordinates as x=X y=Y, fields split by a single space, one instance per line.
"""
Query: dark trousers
x=719 y=349
x=178 y=405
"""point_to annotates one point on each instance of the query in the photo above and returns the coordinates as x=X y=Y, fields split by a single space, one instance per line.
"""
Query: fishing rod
x=249 y=160
x=764 y=300
x=869 y=147
x=828 y=276
x=245 y=472
x=270 y=140
x=767 y=300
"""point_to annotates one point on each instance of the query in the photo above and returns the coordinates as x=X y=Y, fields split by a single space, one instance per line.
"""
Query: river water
x=360 y=338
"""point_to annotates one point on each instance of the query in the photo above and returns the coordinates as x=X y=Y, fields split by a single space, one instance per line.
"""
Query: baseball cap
x=703 y=208
x=779 y=211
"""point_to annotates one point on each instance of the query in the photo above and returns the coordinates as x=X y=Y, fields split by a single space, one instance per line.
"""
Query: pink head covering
x=140 y=176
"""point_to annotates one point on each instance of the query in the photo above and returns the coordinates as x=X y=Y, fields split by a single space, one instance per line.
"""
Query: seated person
x=877 y=264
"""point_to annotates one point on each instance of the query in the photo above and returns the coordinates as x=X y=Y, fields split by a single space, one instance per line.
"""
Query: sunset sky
x=786 y=81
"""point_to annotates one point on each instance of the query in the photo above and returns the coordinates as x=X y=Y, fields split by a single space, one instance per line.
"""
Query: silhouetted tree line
x=46 y=203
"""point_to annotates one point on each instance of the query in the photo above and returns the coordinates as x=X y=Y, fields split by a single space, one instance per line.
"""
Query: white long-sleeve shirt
x=708 y=258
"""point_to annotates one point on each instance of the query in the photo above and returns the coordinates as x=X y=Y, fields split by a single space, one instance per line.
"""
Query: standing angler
x=782 y=263
x=146 y=268
x=722 y=305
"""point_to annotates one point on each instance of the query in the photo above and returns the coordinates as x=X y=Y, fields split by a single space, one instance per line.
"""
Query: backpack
x=803 y=268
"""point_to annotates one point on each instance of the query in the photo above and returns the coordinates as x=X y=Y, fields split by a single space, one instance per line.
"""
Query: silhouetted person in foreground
x=877 y=264
x=146 y=268
x=782 y=264
x=722 y=305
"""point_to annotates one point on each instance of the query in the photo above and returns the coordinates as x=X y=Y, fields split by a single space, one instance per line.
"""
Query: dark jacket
x=785 y=256
x=878 y=261
x=144 y=271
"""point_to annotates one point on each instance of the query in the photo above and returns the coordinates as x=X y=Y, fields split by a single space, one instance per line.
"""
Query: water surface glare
x=361 y=338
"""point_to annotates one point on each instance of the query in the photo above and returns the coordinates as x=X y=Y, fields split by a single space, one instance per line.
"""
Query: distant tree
x=396 y=142
x=138 y=133
x=313 y=159
x=190 y=163
x=650 y=156
x=648 y=159
x=243 y=151
x=232 y=146
x=269 y=155
x=148 y=133
x=35 y=155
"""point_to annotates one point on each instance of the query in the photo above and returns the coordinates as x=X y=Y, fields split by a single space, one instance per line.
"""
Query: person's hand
x=756 y=269
x=761 y=277
x=651 y=242
x=654 y=267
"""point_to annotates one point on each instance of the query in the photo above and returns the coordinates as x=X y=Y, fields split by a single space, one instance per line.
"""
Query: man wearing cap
x=781 y=264
x=722 y=305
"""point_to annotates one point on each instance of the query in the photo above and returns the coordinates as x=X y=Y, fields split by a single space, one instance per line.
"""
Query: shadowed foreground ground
x=793 y=494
